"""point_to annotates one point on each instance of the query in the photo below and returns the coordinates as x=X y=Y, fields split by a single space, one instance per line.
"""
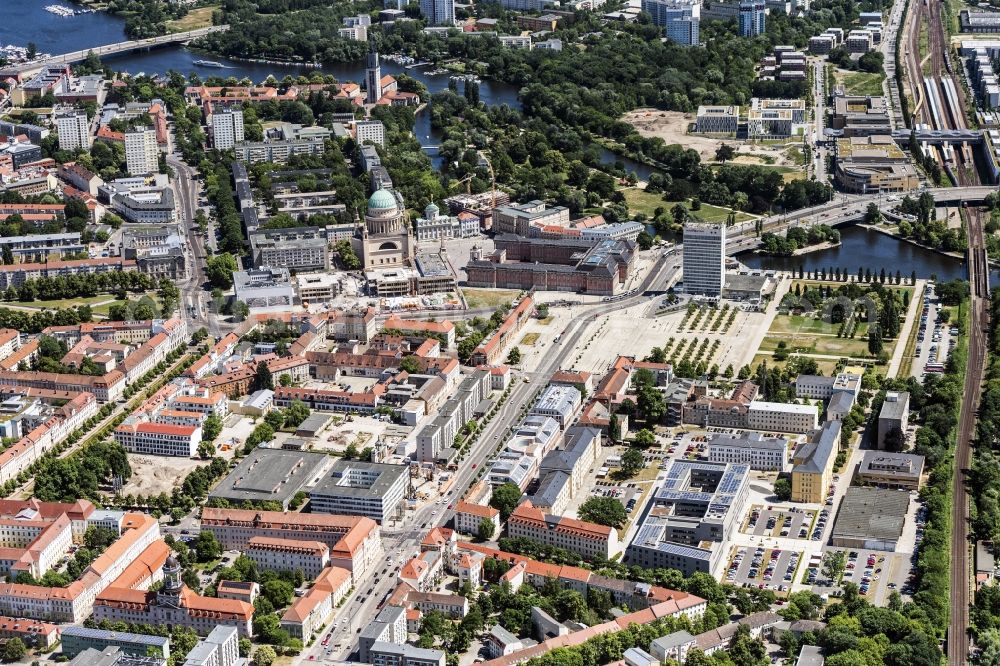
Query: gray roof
x=810 y=656
x=315 y=422
x=271 y=475
x=815 y=455
x=840 y=401
x=502 y=635
x=900 y=465
x=407 y=651
x=871 y=513
x=671 y=641
x=549 y=489
x=114 y=636
x=750 y=440
x=334 y=483
x=894 y=409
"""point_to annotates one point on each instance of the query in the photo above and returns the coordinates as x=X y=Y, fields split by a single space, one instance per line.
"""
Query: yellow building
x=812 y=469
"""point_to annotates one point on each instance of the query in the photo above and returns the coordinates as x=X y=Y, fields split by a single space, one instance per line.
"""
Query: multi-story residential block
x=227 y=128
x=389 y=627
x=298 y=248
x=812 y=464
x=77 y=639
x=313 y=610
x=782 y=417
x=589 y=540
x=354 y=541
x=438 y=12
x=753 y=16
x=769 y=454
x=893 y=417
x=468 y=517
x=391 y=654
x=220 y=648
x=717 y=120
x=369 y=131
x=142 y=152
x=73 y=128
x=704 y=270
x=271 y=554
x=680 y=19
x=560 y=402
x=159 y=439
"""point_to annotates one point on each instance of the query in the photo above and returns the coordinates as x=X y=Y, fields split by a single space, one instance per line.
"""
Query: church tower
x=374 y=76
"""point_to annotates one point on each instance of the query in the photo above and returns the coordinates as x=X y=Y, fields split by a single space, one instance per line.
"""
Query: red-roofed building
x=491 y=349
x=468 y=517
x=589 y=540
x=159 y=439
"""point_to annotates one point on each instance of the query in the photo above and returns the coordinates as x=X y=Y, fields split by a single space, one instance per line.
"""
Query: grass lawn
x=861 y=83
x=530 y=339
x=825 y=366
x=489 y=298
x=65 y=303
x=200 y=17
x=796 y=324
x=640 y=201
x=546 y=321
x=826 y=345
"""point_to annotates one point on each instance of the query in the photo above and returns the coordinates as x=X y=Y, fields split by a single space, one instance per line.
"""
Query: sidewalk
x=904 y=333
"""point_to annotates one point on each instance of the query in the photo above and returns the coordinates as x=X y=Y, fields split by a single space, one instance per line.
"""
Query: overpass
x=851 y=208
x=938 y=136
x=114 y=49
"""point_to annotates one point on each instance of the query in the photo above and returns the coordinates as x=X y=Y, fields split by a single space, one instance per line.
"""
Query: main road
x=402 y=542
x=196 y=306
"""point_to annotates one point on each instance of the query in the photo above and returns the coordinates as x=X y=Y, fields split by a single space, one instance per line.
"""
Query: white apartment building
x=763 y=454
x=142 y=154
x=159 y=439
x=74 y=129
x=438 y=12
x=561 y=402
x=227 y=128
x=309 y=557
x=370 y=131
x=817 y=387
x=704 y=258
x=468 y=516
x=220 y=648
x=782 y=417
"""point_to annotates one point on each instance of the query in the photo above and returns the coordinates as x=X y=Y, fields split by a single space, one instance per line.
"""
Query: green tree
x=410 y=364
x=632 y=462
x=296 y=413
x=220 y=268
x=834 y=562
x=514 y=355
x=603 y=511
x=505 y=499
x=13 y=650
x=262 y=378
x=206 y=546
x=645 y=438
x=783 y=489
x=206 y=449
x=211 y=428
x=486 y=530
x=264 y=656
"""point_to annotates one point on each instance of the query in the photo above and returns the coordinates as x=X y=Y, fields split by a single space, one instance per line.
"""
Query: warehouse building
x=271 y=475
x=870 y=518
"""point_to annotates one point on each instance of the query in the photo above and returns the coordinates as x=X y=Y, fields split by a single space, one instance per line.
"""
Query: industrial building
x=870 y=518
x=271 y=475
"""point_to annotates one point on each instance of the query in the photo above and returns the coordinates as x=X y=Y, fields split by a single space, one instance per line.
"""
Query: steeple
x=373 y=75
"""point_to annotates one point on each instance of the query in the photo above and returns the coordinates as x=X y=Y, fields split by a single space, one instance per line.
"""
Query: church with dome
x=385 y=240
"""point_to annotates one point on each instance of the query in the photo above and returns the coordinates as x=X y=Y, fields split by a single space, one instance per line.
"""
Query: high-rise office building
x=438 y=12
x=142 y=154
x=373 y=77
x=752 y=17
x=227 y=128
x=73 y=128
x=680 y=19
x=704 y=258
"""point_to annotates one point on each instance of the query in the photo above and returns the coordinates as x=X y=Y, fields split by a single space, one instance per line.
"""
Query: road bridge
x=113 y=49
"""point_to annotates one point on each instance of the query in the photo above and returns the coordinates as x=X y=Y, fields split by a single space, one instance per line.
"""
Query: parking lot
x=793 y=523
x=772 y=568
x=935 y=339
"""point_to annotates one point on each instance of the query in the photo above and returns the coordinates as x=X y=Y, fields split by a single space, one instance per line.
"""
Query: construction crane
x=493 y=181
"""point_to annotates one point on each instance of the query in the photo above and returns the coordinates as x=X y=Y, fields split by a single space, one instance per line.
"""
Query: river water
x=27 y=21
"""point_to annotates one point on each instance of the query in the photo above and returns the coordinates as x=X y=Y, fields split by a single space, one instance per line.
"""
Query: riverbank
x=891 y=234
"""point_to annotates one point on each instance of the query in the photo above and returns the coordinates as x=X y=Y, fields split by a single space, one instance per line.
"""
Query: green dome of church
x=381 y=200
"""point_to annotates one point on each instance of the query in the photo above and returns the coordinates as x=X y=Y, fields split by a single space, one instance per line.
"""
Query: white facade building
x=74 y=130
x=159 y=439
x=438 y=12
x=227 y=128
x=782 y=417
x=370 y=131
x=704 y=258
x=763 y=454
x=142 y=154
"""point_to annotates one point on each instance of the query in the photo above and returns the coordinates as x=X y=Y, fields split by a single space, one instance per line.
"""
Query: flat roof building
x=696 y=508
x=770 y=454
x=77 y=639
x=891 y=470
x=560 y=402
x=893 y=418
x=870 y=518
x=358 y=488
x=704 y=259
x=717 y=120
x=271 y=475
